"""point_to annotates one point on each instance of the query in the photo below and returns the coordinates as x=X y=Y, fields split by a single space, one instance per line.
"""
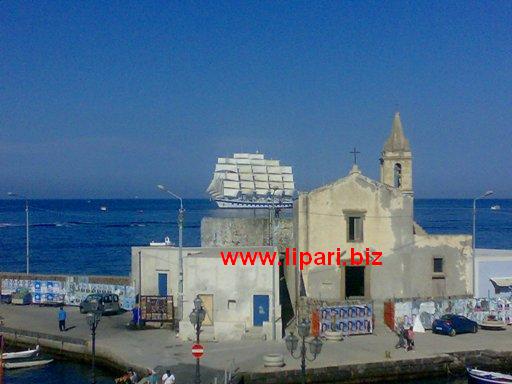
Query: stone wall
x=237 y=231
x=446 y=365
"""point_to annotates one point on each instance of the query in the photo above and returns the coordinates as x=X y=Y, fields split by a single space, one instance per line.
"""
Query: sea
x=78 y=237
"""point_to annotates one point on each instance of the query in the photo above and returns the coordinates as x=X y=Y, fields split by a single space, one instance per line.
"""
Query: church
x=356 y=212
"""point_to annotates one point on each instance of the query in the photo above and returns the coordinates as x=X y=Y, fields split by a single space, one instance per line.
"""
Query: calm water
x=59 y=372
x=75 y=237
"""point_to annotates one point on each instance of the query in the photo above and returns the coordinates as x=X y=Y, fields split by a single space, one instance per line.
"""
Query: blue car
x=453 y=324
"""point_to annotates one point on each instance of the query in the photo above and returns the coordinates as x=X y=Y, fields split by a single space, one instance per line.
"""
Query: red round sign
x=197 y=351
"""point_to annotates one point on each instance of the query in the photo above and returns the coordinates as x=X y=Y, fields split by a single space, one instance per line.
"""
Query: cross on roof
x=355 y=152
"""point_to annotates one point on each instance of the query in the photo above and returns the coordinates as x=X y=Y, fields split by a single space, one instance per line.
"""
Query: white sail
x=272 y=169
x=286 y=169
x=259 y=169
x=231 y=184
x=244 y=169
x=247 y=184
x=246 y=176
x=288 y=192
x=287 y=177
x=262 y=192
x=260 y=177
x=226 y=167
x=289 y=185
x=228 y=192
x=262 y=185
x=272 y=177
x=232 y=176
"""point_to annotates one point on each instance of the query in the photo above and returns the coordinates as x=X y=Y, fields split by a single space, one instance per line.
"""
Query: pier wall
x=67 y=289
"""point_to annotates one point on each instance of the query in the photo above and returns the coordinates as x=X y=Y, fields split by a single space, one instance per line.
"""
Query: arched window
x=398 y=175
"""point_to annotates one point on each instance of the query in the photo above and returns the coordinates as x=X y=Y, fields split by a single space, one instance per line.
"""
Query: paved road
x=162 y=349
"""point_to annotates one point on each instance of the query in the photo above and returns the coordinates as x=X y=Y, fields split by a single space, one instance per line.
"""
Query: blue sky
x=108 y=99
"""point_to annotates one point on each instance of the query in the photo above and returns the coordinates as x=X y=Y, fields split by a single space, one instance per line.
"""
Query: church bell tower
x=396 y=159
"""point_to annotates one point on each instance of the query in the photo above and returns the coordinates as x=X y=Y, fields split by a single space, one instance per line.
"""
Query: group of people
x=131 y=377
x=405 y=338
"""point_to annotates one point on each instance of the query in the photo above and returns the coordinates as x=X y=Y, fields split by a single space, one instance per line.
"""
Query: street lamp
x=93 y=319
x=292 y=343
x=181 y=214
x=12 y=194
x=488 y=193
x=196 y=318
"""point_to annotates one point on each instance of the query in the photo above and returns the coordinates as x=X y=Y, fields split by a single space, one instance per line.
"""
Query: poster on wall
x=78 y=289
x=157 y=308
x=42 y=291
x=349 y=319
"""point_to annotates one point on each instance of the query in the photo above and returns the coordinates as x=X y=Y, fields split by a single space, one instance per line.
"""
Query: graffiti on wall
x=406 y=312
x=349 y=319
x=70 y=292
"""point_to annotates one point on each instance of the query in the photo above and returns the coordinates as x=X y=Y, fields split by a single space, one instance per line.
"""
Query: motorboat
x=103 y=208
x=492 y=323
x=495 y=207
x=20 y=355
x=26 y=363
x=478 y=376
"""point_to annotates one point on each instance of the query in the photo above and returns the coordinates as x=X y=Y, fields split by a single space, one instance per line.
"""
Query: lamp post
x=271 y=234
x=181 y=216
x=488 y=193
x=292 y=343
x=196 y=318
x=93 y=319
x=12 y=194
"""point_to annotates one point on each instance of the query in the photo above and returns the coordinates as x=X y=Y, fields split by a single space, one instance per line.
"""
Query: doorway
x=354 y=282
x=260 y=309
x=162 y=284
x=208 y=307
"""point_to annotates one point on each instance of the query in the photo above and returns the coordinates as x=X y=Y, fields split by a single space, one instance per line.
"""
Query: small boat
x=492 y=323
x=103 y=208
x=484 y=377
x=26 y=363
x=495 y=207
x=21 y=354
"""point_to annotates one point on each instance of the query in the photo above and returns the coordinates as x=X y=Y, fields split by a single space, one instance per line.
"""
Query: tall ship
x=248 y=180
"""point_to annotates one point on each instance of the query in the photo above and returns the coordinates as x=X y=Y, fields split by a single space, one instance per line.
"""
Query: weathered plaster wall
x=205 y=273
x=320 y=224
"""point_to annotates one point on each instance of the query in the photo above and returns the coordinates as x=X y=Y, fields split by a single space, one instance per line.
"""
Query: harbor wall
x=67 y=289
x=446 y=365
x=405 y=311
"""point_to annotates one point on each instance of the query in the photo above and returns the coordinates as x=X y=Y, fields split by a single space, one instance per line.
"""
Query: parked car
x=453 y=324
x=108 y=301
x=21 y=297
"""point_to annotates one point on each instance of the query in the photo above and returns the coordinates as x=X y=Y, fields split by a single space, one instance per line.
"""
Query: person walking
x=62 y=319
x=410 y=339
x=168 y=378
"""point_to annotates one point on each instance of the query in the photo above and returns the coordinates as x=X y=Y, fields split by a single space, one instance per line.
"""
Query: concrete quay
x=355 y=359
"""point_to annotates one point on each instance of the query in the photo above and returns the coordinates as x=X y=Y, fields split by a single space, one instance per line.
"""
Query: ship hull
x=225 y=203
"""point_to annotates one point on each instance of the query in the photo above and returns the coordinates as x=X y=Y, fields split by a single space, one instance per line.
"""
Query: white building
x=493 y=271
x=240 y=300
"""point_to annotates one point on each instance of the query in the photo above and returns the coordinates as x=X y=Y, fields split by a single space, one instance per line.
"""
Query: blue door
x=260 y=309
x=162 y=284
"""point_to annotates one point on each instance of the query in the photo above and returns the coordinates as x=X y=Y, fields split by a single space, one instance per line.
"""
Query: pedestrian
x=168 y=378
x=152 y=377
x=62 y=319
x=134 y=378
x=410 y=339
x=400 y=331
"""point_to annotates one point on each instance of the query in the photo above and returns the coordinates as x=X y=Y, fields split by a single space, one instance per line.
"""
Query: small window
x=398 y=175
x=355 y=228
x=438 y=265
x=232 y=304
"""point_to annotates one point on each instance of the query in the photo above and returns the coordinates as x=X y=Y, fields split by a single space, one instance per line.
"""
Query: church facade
x=358 y=214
